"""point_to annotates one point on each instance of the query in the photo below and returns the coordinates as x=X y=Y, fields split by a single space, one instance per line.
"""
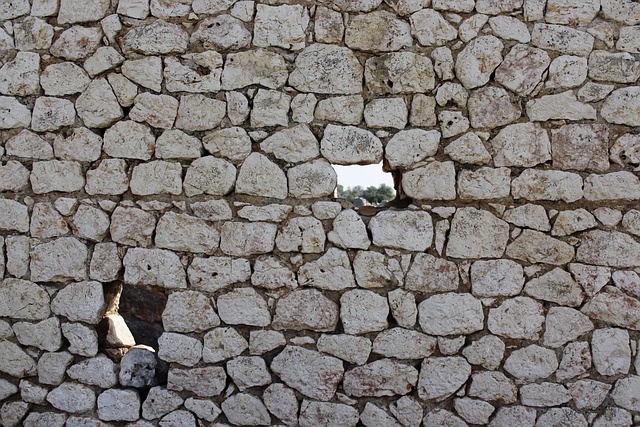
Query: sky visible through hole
x=364 y=176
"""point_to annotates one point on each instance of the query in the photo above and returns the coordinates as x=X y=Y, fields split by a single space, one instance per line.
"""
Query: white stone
x=270 y=108
x=248 y=371
x=13 y=176
x=105 y=58
x=98 y=106
x=423 y=110
x=21 y=299
x=385 y=225
x=570 y=222
x=534 y=246
x=59 y=260
x=82 y=11
x=205 y=382
x=309 y=372
x=14 y=217
x=374 y=270
x=119 y=405
x=51 y=114
x=154 y=267
x=402 y=343
x=518 y=318
x=72 y=398
x=328 y=25
x=157 y=110
x=82 y=301
x=429 y=274
x=363 y=311
x=350 y=348
x=450 y=314
x=615 y=307
x=477 y=234
x=533 y=184
x=32 y=34
x=83 y=340
x=312 y=179
x=221 y=33
x=327 y=69
x=245 y=409
x=77 y=42
x=386 y=112
x=82 y=145
x=189 y=311
x=493 y=386
x=616 y=185
x=563 y=325
x=175 y=144
x=273 y=212
x=611 y=351
x=296 y=144
x=488 y=352
x=484 y=183
x=252 y=178
x=440 y=377
x=241 y=239
x=282 y=26
x=479 y=58
x=403 y=307
x=346 y=109
x=138 y=9
x=254 y=67
x=626 y=391
x=146 y=72
x=474 y=411
x=531 y=363
x=197 y=113
x=379 y=31
x=132 y=226
x=484 y=102
x=374 y=416
x=272 y=273
x=209 y=175
x=563 y=39
x=544 y=395
x=44 y=335
x=406 y=148
x=90 y=223
x=452 y=123
x=555 y=286
x=156 y=177
x=493 y=278
x=321 y=413
x=466 y=149
x=243 y=306
x=568 y=13
x=159 y=402
x=100 y=371
x=510 y=28
x=613 y=67
x=628 y=40
x=581 y=147
x=221 y=344
x=591 y=92
x=561 y=106
x=178 y=348
x=19 y=77
x=470 y=27
x=350 y=145
x=576 y=360
x=303 y=234
x=349 y=231
x=567 y=71
x=157 y=37
x=439 y=175
x=591 y=278
x=184 y=76
x=306 y=309
x=403 y=72
x=431 y=29
x=605 y=248
x=18 y=255
x=125 y=90
x=202 y=408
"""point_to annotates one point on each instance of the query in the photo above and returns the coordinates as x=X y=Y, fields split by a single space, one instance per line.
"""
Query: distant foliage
x=374 y=195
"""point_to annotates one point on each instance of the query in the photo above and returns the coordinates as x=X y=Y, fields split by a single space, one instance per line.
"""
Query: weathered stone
x=178 y=348
x=243 y=306
x=17 y=363
x=303 y=234
x=435 y=181
x=396 y=73
x=613 y=67
x=328 y=69
x=182 y=232
x=576 y=360
x=350 y=348
x=82 y=301
x=184 y=76
x=452 y=123
x=374 y=270
x=484 y=183
x=429 y=274
x=431 y=29
x=16 y=114
x=477 y=61
x=312 y=179
x=119 y=405
x=321 y=413
x=423 y=110
x=270 y=108
x=493 y=386
x=466 y=149
x=160 y=402
x=543 y=395
x=204 y=382
x=72 y=12
x=221 y=33
x=32 y=34
x=510 y=28
x=626 y=391
x=531 y=363
x=562 y=39
x=156 y=38
x=44 y=335
x=403 y=307
x=565 y=12
x=494 y=278
x=282 y=26
x=556 y=286
x=378 y=31
x=328 y=25
x=20 y=76
x=306 y=309
x=534 y=246
x=50 y=114
x=59 y=260
x=154 y=267
x=385 y=377
x=386 y=113
x=77 y=42
x=612 y=186
x=451 y=314
x=132 y=226
x=258 y=66
x=477 y=234
x=156 y=177
x=138 y=368
x=72 y=398
x=221 y=344
x=488 y=352
x=363 y=311
x=567 y=71
x=241 y=239
x=409 y=147
x=125 y=90
x=296 y=144
x=252 y=178
x=100 y=371
x=385 y=225
x=611 y=351
x=581 y=147
x=518 y=318
x=197 y=113
x=245 y=409
x=440 y=377
x=189 y=311
x=612 y=249
x=98 y=106
x=233 y=143
x=492 y=107
x=346 y=109
x=563 y=325
x=534 y=184
x=175 y=144
x=83 y=340
x=563 y=106
x=570 y=222
x=309 y=372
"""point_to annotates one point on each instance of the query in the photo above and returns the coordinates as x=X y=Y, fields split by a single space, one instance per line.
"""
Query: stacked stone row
x=187 y=147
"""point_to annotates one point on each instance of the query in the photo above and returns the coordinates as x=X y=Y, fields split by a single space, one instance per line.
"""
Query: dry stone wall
x=170 y=161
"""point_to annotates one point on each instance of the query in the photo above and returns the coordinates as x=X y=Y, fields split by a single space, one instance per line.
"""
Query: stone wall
x=171 y=252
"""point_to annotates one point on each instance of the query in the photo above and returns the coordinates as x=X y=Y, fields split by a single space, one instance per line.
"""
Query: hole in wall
x=365 y=185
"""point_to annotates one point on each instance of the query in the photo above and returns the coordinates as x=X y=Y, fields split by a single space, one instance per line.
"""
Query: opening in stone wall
x=365 y=185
